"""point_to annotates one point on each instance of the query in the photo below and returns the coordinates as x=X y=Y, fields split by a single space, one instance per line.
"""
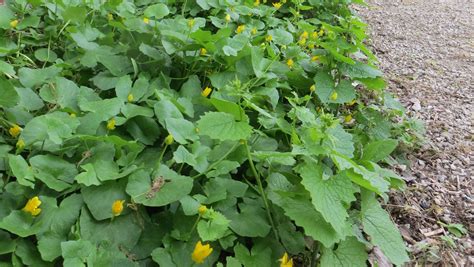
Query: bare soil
x=426 y=49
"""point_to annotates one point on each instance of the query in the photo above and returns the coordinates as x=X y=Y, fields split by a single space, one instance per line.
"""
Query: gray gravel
x=426 y=49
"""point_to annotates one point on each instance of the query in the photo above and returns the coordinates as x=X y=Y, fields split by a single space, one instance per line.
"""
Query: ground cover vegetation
x=181 y=133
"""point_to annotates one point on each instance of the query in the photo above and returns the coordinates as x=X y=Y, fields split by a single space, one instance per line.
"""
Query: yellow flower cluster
x=290 y=63
x=277 y=5
x=14 y=23
x=169 y=139
x=130 y=98
x=111 y=124
x=286 y=261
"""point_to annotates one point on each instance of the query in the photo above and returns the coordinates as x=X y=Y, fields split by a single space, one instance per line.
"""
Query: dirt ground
x=426 y=49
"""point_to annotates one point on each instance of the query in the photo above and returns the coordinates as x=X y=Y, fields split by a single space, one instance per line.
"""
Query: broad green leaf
x=181 y=130
x=349 y=252
x=122 y=231
x=58 y=174
x=360 y=70
x=361 y=175
x=251 y=221
x=378 y=150
x=29 y=99
x=331 y=196
x=33 y=77
x=338 y=140
x=76 y=251
x=157 y=11
x=229 y=107
x=99 y=199
x=21 y=223
x=63 y=93
x=174 y=187
x=222 y=126
x=165 y=109
x=54 y=127
x=214 y=228
x=383 y=232
x=89 y=177
x=281 y=37
x=301 y=211
x=345 y=92
x=259 y=256
x=22 y=171
x=324 y=86
x=7 y=245
x=8 y=95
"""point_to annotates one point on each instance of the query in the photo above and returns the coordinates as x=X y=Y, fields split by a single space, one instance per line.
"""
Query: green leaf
x=165 y=109
x=214 y=228
x=259 y=256
x=360 y=175
x=174 y=187
x=53 y=127
x=33 y=77
x=360 y=70
x=345 y=92
x=222 y=126
x=324 y=86
x=181 y=130
x=8 y=95
x=383 y=232
x=122 y=231
x=99 y=199
x=76 y=251
x=21 y=223
x=64 y=93
x=55 y=172
x=21 y=170
x=281 y=37
x=349 y=252
x=229 y=107
x=157 y=11
x=75 y=14
x=338 y=140
x=330 y=195
x=251 y=221
x=378 y=150
x=7 y=245
x=301 y=210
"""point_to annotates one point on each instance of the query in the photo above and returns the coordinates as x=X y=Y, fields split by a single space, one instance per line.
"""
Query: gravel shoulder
x=426 y=49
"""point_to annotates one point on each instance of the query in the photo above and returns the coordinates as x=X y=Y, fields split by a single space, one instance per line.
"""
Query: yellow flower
x=253 y=31
x=302 y=42
x=206 y=92
x=13 y=23
x=201 y=252
x=269 y=38
x=169 y=139
x=312 y=88
x=32 y=206
x=111 y=124
x=240 y=29
x=203 y=51
x=117 y=207
x=314 y=58
x=286 y=261
x=130 y=97
x=72 y=115
x=311 y=46
x=110 y=16
x=334 y=96
x=227 y=18
x=277 y=5
x=348 y=118
x=256 y=3
x=304 y=35
x=190 y=23
x=15 y=130
x=314 y=35
x=352 y=102
x=321 y=32
x=290 y=63
x=146 y=20
x=20 y=144
x=202 y=209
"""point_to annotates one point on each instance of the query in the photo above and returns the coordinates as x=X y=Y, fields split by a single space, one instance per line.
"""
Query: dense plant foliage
x=193 y=132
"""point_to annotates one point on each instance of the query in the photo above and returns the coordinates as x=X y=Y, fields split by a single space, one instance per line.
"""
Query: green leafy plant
x=193 y=132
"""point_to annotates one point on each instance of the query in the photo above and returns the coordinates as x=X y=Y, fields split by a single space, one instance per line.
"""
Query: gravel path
x=426 y=49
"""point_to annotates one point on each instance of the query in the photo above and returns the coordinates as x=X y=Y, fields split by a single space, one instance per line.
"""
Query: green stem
x=194 y=226
x=314 y=256
x=262 y=192
x=161 y=156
